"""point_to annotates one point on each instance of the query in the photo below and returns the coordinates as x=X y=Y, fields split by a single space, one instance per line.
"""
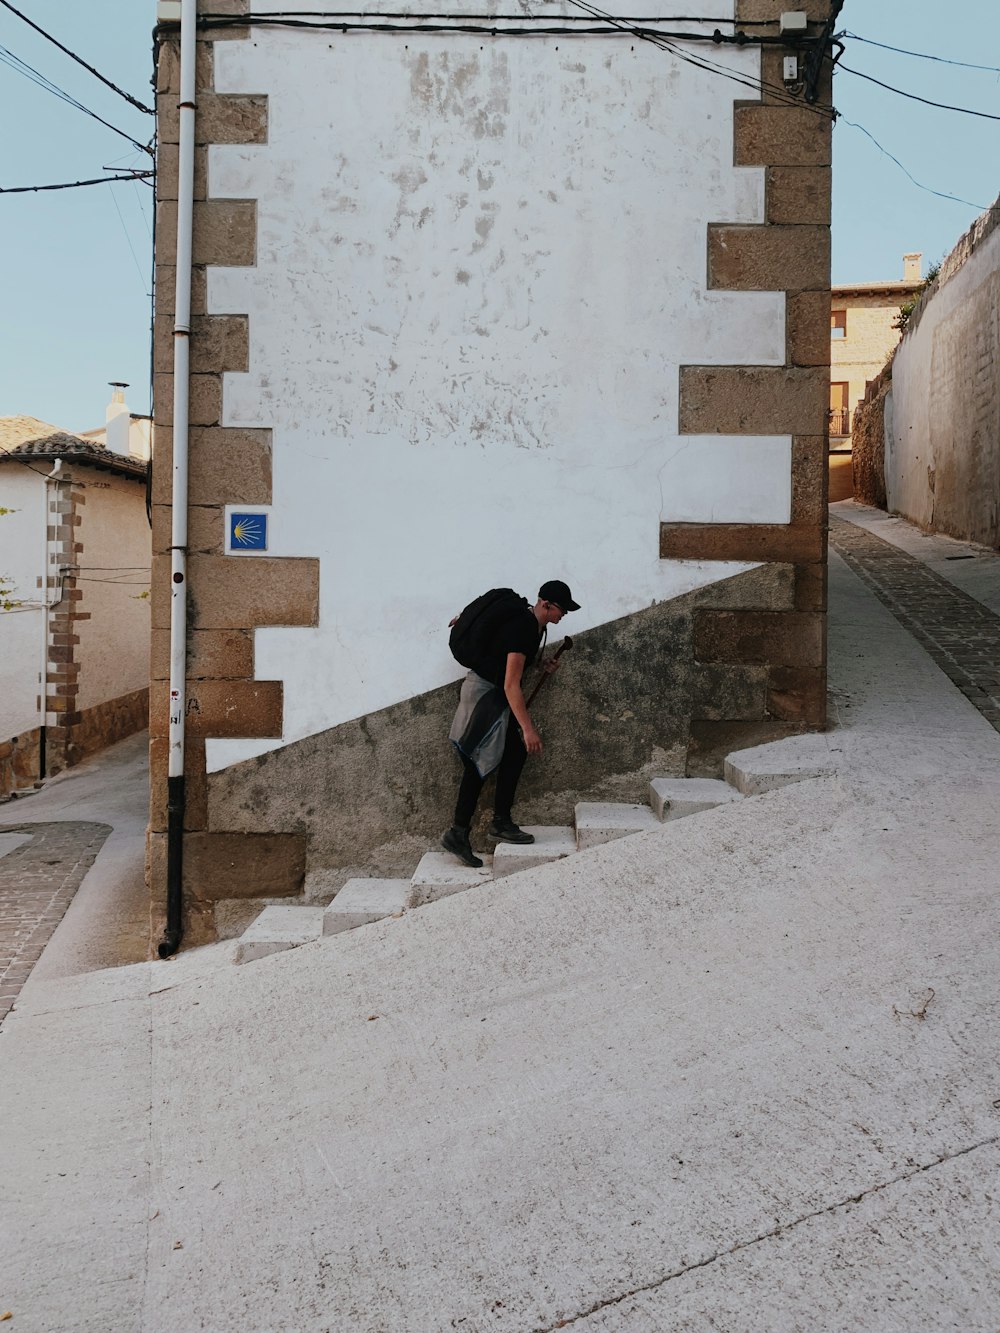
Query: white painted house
x=506 y=301
x=74 y=625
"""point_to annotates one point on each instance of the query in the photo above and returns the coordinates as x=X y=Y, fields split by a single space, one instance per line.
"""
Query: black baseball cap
x=558 y=592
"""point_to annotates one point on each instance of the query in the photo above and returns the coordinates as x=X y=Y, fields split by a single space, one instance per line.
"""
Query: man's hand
x=532 y=740
x=550 y=667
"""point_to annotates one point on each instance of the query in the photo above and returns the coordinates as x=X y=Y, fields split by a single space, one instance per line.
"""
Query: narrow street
x=738 y=1069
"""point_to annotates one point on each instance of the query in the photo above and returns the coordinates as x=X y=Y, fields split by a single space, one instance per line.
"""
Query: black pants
x=514 y=755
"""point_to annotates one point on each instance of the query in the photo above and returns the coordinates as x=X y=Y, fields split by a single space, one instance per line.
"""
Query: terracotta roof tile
x=56 y=443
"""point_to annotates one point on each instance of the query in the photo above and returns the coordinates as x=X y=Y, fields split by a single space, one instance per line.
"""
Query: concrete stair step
x=673 y=798
x=277 y=929
x=599 y=821
x=551 y=843
x=767 y=767
x=362 y=901
x=440 y=874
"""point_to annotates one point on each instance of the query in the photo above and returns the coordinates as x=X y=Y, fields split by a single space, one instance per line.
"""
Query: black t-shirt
x=520 y=634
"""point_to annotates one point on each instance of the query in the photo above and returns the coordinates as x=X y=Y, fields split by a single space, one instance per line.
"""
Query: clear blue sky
x=75 y=263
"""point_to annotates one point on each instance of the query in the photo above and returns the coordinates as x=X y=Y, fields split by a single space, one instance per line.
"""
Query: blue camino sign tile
x=247 y=532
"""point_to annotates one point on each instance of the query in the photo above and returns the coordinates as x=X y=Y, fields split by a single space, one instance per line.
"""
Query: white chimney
x=117 y=418
x=911 y=267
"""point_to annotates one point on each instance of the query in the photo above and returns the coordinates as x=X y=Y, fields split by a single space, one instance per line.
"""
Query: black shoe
x=456 y=841
x=507 y=831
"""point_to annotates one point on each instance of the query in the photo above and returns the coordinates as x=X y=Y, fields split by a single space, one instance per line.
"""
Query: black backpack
x=474 y=632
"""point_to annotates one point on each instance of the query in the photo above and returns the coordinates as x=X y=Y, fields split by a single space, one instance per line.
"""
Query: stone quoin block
x=204 y=403
x=195 y=782
x=231 y=118
x=218 y=342
x=166 y=276
x=810 y=479
x=168 y=65
x=753 y=400
x=166 y=173
x=226 y=465
x=807 y=328
x=810 y=586
x=798 y=196
x=769 y=11
x=782 y=638
x=212 y=654
x=231 y=593
x=740 y=541
x=243 y=865
x=224 y=232
x=206 y=529
x=798 y=694
x=769 y=258
x=767 y=136
x=228 y=708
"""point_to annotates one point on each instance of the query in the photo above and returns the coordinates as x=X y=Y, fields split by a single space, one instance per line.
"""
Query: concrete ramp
x=616 y=1089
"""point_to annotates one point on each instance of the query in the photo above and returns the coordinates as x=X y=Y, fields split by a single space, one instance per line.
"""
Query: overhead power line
x=140 y=106
x=29 y=72
x=940 y=194
x=699 y=61
x=921 y=55
x=74 y=185
x=943 y=106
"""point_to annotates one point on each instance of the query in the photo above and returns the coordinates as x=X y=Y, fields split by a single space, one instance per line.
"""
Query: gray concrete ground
x=736 y=1073
x=63 y=828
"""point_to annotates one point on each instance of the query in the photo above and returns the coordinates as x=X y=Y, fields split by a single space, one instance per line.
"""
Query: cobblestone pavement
x=37 y=883
x=959 y=633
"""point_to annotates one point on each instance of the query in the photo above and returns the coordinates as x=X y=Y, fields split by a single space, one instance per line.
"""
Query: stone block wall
x=868 y=441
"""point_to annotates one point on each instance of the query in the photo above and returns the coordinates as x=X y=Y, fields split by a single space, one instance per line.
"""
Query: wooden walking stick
x=564 y=647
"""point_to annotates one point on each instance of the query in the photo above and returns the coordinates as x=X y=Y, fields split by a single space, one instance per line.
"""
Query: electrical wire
x=920 y=55
x=780 y=93
x=73 y=185
x=311 y=18
x=131 y=247
x=943 y=106
x=140 y=106
x=34 y=76
x=982 y=208
x=17 y=458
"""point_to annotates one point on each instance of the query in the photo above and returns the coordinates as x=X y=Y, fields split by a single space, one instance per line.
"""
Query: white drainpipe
x=179 y=491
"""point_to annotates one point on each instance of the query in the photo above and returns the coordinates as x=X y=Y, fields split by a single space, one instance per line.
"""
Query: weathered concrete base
x=632 y=702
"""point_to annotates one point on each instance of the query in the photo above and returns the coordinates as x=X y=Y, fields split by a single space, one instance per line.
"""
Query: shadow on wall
x=643 y=696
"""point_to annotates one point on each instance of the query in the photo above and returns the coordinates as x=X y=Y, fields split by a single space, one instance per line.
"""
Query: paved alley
x=958 y=631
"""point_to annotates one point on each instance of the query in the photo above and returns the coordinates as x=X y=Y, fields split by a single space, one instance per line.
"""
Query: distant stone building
x=862 y=338
x=74 y=628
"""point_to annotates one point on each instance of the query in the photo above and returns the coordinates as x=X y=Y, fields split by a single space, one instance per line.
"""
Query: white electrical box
x=791 y=69
x=793 y=21
x=168 y=11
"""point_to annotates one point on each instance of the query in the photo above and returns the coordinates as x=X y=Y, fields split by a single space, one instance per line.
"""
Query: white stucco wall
x=22 y=556
x=480 y=264
x=113 y=651
x=942 y=462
